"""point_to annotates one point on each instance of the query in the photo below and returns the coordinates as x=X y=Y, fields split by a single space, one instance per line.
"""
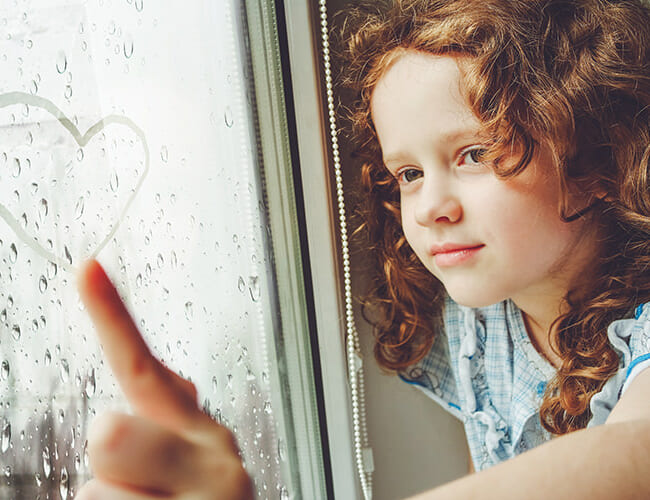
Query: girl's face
x=486 y=239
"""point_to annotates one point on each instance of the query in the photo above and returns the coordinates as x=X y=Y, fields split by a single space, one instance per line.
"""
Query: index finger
x=152 y=389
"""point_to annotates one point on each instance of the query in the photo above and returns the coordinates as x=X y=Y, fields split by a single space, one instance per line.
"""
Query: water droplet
x=68 y=257
x=174 y=260
x=15 y=332
x=61 y=62
x=68 y=92
x=164 y=154
x=111 y=29
x=77 y=462
x=254 y=288
x=52 y=269
x=189 y=313
x=65 y=371
x=128 y=48
x=214 y=383
x=284 y=493
x=114 y=182
x=241 y=284
x=42 y=284
x=228 y=118
x=29 y=44
x=34 y=88
x=10 y=301
x=4 y=370
x=13 y=253
x=79 y=209
x=80 y=154
x=47 y=465
x=5 y=436
x=160 y=261
x=139 y=5
x=37 y=477
x=42 y=209
x=147 y=270
x=90 y=384
x=138 y=280
x=47 y=360
x=64 y=484
x=34 y=188
x=17 y=168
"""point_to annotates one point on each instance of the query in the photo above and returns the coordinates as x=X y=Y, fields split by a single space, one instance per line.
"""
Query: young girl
x=506 y=150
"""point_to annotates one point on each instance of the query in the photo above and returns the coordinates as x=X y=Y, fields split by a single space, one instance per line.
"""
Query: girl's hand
x=169 y=448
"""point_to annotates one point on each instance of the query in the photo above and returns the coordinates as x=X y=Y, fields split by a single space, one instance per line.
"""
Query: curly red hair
x=570 y=74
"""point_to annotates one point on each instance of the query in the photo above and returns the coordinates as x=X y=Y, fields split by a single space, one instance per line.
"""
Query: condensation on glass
x=126 y=133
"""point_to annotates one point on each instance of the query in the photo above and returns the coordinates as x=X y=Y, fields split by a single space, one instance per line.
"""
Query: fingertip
x=92 y=280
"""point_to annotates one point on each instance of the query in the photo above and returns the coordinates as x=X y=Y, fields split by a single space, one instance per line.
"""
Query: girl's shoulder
x=630 y=338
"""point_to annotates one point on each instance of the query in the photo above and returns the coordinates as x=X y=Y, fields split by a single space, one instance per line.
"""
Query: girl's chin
x=469 y=298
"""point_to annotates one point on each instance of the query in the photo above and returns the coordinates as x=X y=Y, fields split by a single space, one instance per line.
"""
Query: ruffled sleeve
x=631 y=339
x=434 y=376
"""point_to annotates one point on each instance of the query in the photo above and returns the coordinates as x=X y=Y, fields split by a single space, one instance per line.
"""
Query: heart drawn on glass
x=63 y=186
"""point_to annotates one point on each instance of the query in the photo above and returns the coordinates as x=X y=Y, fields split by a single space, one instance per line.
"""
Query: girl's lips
x=451 y=256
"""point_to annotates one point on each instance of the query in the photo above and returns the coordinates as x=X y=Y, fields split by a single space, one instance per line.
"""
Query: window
x=154 y=136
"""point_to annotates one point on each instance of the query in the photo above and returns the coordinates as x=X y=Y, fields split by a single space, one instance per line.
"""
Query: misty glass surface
x=126 y=133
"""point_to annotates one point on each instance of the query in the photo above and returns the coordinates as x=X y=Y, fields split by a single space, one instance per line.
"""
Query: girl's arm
x=604 y=462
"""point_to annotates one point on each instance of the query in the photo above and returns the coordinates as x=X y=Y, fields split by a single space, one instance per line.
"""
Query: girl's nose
x=436 y=203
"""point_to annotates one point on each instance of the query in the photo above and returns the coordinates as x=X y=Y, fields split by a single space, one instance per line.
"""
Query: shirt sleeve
x=631 y=339
x=434 y=376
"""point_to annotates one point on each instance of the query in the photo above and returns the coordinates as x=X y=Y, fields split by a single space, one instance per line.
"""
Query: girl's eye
x=472 y=157
x=408 y=175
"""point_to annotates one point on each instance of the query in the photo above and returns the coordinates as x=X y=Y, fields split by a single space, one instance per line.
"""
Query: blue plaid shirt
x=485 y=371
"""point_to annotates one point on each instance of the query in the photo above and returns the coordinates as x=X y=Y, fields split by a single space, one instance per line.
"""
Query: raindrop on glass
x=4 y=370
x=164 y=154
x=189 y=313
x=47 y=465
x=17 y=168
x=114 y=182
x=79 y=209
x=65 y=371
x=68 y=92
x=42 y=209
x=241 y=284
x=139 y=5
x=68 y=257
x=52 y=269
x=228 y=118
x=34 y=88
x=128 y=48
x=254 y=288
x=42 y=284
x=80 y=154
x=5 y=437
x=61 y=62
x=160 y=261
x=63 y=485
x=13 y=253
x=47 y=360
x=90 y=384
x=174 y=260
x=15 y=332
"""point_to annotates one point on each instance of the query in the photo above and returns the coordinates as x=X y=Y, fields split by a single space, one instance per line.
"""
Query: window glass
x=126 y=133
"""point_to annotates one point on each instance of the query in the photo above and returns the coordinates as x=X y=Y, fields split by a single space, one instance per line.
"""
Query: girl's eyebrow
x=448 y=137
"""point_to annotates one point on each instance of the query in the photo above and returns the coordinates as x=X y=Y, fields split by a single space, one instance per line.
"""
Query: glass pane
x=126 y=133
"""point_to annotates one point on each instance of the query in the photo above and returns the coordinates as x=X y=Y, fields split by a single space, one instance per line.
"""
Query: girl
x=506 y=149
